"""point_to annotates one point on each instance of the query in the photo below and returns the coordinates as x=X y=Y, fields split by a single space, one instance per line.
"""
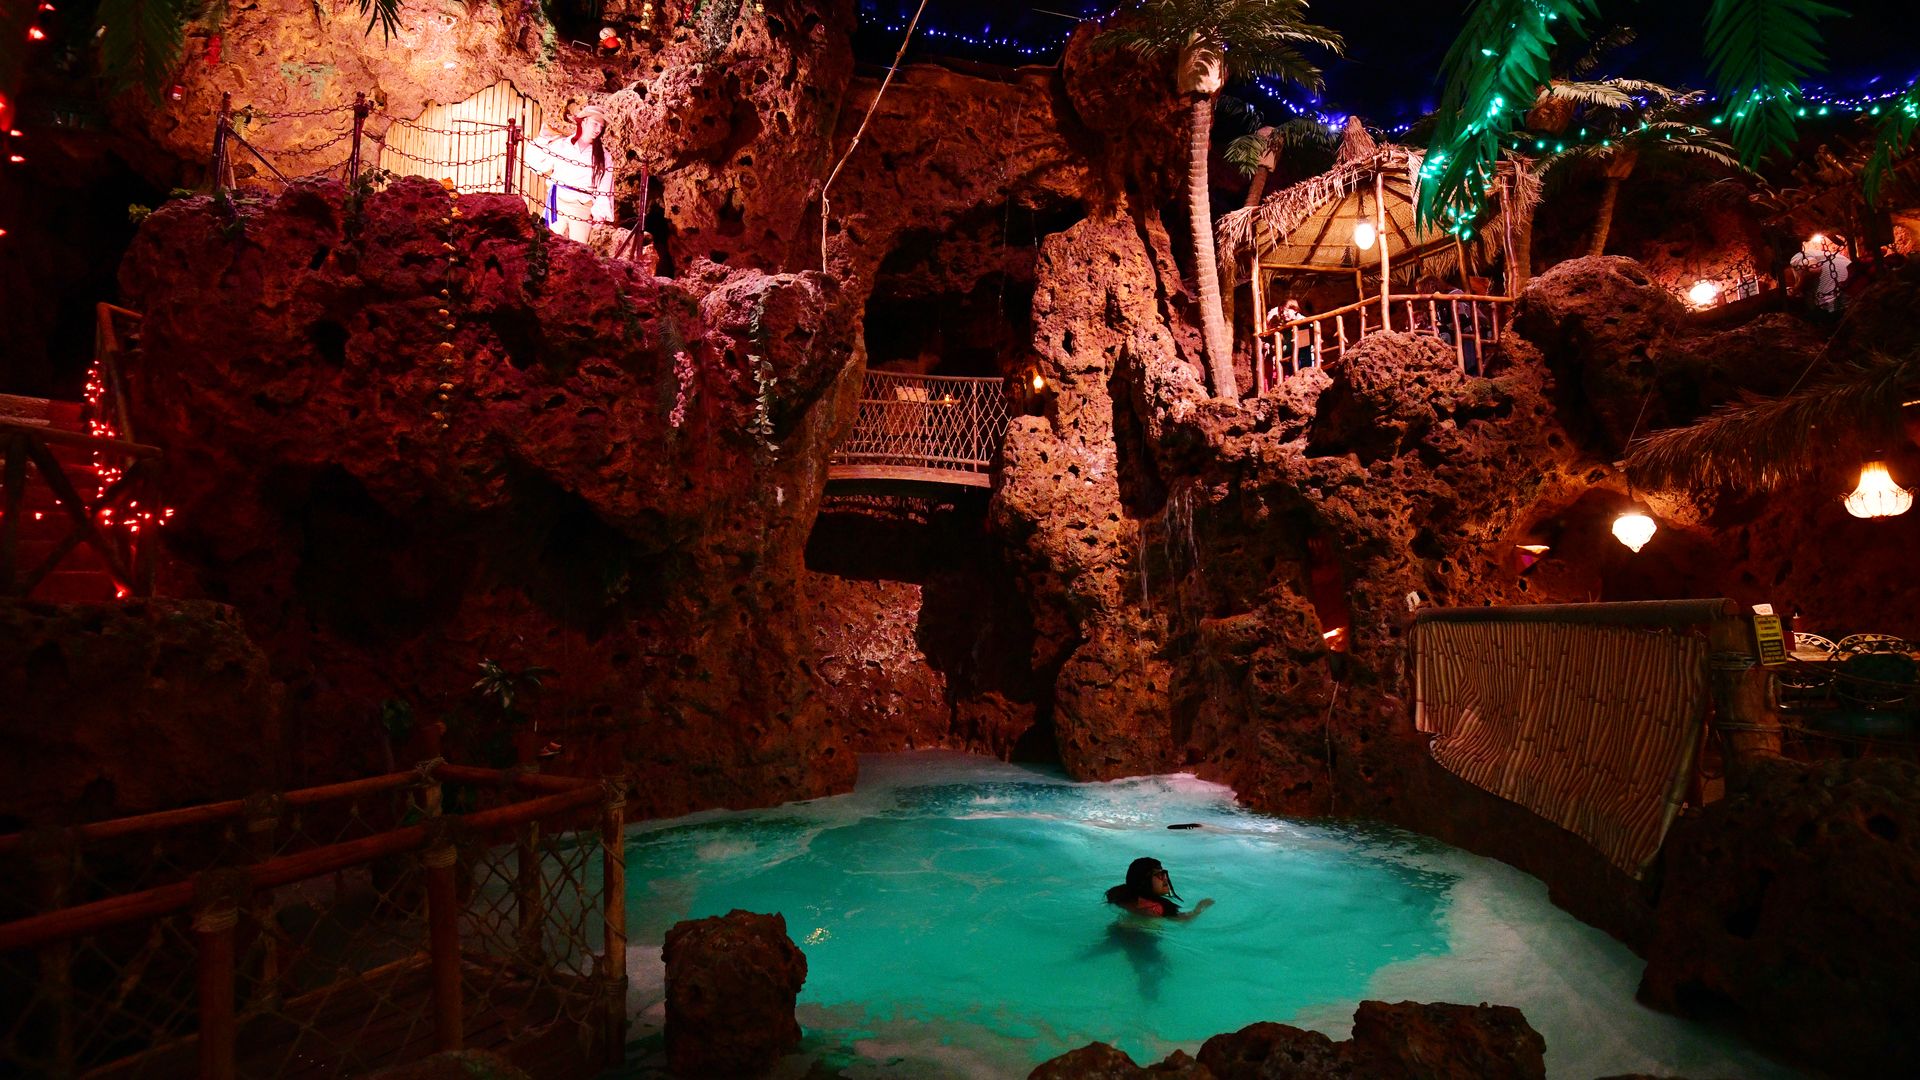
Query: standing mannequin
x=579 y=176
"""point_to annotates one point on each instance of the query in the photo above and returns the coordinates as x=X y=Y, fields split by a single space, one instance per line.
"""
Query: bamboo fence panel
x=1592 y=727
x=465 y=143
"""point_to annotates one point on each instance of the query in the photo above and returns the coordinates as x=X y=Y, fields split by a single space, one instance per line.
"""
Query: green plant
x=137 y=213
x=397 y=719
x=505 y=688
x=538 y=254
x=765 y=380
x=1211 y=41
x=1305 y=140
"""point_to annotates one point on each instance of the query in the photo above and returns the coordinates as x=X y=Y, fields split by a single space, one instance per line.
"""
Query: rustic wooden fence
x=1472 y=324
x=323 y=932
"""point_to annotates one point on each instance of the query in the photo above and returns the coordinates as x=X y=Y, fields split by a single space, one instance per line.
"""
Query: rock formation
x=1405 y=1040
x=731 y=984
x=129 y=709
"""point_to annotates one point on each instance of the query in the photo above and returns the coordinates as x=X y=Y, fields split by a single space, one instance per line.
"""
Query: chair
x=1813 y=647
x=1873 y=643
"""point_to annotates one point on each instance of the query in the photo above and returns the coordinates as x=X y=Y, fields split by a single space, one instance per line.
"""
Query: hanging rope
x=825 y=205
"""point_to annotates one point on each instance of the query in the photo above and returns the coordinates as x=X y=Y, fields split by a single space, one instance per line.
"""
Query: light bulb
x=1039 y=382
x=1633 y=529
x=1363 y=235
x=1703 y=293
x=1878 y=496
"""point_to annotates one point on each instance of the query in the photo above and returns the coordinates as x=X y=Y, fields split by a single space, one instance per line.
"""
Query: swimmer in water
x=1149 y=891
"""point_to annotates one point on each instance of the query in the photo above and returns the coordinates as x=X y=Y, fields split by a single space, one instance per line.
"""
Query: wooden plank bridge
x=933 y=429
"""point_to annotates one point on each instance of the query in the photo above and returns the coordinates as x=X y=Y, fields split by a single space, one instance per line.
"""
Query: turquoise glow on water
x=950 y=911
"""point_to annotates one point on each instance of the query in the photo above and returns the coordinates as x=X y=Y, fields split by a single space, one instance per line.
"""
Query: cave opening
x=920 y=628
x=959 y=301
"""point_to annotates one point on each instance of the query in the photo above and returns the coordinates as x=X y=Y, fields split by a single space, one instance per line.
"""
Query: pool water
x=950 y=909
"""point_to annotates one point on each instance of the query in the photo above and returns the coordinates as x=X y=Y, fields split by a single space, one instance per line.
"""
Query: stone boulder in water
x=731 y=984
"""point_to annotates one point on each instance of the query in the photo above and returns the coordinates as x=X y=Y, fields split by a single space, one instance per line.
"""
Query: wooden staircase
x=81 y=576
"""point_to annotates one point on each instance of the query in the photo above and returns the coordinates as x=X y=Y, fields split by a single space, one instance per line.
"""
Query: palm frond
x=1762 y=444
x=1603 y=95
x=1259 y=37
x=141 y=41
x=1617 y=38
x=1493 y=70
x=1758 y=52
x=1891 y=141
x=1302 y=135
x=383 y=13
x=1246 y=152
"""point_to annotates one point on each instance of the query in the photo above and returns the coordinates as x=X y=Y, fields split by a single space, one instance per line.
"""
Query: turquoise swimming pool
x=950 y=911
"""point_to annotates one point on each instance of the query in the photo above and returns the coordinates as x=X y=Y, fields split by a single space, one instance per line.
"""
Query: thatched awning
x=1309 y=226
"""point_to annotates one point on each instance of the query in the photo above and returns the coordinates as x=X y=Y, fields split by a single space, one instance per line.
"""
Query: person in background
x=1824 y=261
x=1148 y=891
x=579 y=176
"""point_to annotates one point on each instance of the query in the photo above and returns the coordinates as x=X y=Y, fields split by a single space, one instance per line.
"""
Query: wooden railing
x=936 y=429
x=1471 y=323
x=127 y=470
x=329 y=931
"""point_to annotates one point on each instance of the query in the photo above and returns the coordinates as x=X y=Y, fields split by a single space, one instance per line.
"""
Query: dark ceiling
x=1394 y=47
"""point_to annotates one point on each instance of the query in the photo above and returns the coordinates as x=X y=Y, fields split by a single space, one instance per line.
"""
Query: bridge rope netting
x=928 y=427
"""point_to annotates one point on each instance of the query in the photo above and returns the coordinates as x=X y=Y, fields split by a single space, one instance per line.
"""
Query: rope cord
x=825 y=203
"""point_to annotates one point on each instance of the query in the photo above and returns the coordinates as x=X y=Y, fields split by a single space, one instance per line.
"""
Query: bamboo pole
x=216 y=913
x=443 y=945
x=1749 y=728
x=53 y=861
x=1386 y=266
x=613 y=875
x=1259 y=334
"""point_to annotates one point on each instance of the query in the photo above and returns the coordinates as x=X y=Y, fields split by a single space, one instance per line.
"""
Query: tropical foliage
x=1758 y=52
x=1761 y=444
x=1307 y=142
x=1210 y=42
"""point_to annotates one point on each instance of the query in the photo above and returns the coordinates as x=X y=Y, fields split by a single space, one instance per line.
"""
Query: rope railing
x=943 y=429
x=1472 y=323
x=329 y=931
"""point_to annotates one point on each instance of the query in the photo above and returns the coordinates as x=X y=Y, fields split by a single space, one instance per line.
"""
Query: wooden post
x=13 y=490
x=443 y=943
x=220 y=129
x=1749 y=728
x=1259 y=331
x=216 y=913
x=360 y=111
x=262 y=815
x=613 y=876
x=528 y=889
x=1386 y=267
x=507 y=184
x=54 y=865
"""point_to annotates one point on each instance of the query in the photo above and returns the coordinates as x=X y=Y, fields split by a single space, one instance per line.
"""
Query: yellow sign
x=1773 y=639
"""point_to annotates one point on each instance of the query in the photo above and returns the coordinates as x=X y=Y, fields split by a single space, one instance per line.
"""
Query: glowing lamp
x=1039 y=382
x=1878 y=496
x=1703 y=293
x=1633 y=529
x=1363 y=236
x=34 y=33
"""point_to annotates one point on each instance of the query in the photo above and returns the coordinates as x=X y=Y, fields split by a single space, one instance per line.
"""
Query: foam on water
x=950 y=910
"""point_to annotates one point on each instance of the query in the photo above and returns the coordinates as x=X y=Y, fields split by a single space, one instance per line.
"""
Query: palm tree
x=1258 y=152
x=1211 y=41
x=1623 y=145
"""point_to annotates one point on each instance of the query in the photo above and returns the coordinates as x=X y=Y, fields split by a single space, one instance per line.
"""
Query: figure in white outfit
x=579 y=177
x=1827 y=263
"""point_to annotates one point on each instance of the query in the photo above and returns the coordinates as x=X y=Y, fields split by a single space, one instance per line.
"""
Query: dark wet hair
x=1139 y=886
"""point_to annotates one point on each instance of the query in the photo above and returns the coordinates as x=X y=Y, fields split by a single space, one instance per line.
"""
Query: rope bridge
x=927 y=428
x=323 y=932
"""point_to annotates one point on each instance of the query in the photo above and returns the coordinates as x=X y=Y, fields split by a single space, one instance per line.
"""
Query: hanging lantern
x=1363 y=236
x=1878 y=496
x=1703 y=293
x=1634 y=529
x=1039 y=382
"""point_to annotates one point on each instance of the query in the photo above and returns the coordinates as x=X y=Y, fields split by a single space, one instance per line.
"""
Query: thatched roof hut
x=1310 y=226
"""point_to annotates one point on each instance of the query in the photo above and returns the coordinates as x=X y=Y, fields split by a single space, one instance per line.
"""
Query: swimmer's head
x=1146 y=877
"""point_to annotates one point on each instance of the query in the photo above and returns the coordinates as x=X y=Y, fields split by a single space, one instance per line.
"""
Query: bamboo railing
x=929 y=428
x=1472 y=323
x=328 y=931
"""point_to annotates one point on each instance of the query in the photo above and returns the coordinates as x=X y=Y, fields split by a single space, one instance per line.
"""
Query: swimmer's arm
x=1189 y=916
